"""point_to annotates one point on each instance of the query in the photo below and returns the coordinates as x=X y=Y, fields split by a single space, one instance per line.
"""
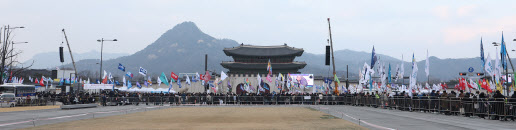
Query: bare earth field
x=10 y=109
x=213 y=118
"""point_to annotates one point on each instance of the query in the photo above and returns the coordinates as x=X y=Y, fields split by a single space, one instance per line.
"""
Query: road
x=376 y=118
x=23 y=119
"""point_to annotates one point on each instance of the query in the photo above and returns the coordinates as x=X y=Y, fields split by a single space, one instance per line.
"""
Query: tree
x=8 y=55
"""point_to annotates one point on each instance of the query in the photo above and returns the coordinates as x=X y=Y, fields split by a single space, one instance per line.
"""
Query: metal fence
x=484 y=108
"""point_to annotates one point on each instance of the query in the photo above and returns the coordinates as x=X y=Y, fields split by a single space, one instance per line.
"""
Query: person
x=498 y=104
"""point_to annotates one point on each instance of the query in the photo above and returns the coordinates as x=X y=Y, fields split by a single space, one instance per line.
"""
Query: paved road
x=376 y=118
x=373 y=118
x=23 y=119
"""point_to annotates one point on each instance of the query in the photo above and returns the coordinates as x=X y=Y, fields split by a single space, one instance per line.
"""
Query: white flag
x=259 y=79
x=223 y=75
x=159 y=81
x=123 y=81
x=489 y=65
x=105 y=74
x=188 y=80
x=497 y=72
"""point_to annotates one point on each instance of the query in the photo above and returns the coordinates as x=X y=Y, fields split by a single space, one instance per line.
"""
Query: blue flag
x=129 y=74
x=503 y=52
x=143 y=71
x=129 y=85
x=138 y=84
x=170 y=87
x=373 y=58
x=179 y=82
x=389 y=73
x=117 y=83
x=121 y=67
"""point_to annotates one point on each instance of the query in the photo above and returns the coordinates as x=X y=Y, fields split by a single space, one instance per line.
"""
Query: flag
x=173 y=77
x=142 y=71
x=223 y=75
x=129 y=85
x=41 y=82
x=105 y=75
x=105 y=80
x=269 y=78
x=373 y=58
x=88 y=81
x=259 y=79
x=149 y=80
x=503 y=53
x=489 y=66
x=110 y=76
x=170 y=85
x=427 y=67
x=485 y=85
x=179 y=82
x=124 y=81
x=129 y=74
x=138 y=84
x=146 y=83
x=196 y=78
x=121 y=67
x=269 y=67
x=413 y=76
x=336 y=79
x=389 y=76
x=207 y=76
x=163 y=78
x=482 y=53
x=188 y=80
x=158 y=80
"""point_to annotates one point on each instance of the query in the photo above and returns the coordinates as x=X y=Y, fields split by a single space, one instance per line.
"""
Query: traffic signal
x=480 y=74
x=462 y=74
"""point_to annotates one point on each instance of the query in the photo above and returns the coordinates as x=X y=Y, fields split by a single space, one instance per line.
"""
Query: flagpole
x=332 y=57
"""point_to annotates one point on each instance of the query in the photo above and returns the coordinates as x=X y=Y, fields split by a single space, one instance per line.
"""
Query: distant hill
x=49 y=60
x=182 y=49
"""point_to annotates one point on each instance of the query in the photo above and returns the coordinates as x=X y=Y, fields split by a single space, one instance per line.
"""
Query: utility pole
x=336 y=91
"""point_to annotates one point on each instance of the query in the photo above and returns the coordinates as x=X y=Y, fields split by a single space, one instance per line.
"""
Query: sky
x=447 y=29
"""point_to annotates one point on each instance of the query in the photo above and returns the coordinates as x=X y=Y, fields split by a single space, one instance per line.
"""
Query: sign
x=309 y=78
x=308 y=97
x=98 y=86
x=471 y=69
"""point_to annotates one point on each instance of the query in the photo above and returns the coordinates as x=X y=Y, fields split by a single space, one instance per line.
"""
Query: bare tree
x=8 y=56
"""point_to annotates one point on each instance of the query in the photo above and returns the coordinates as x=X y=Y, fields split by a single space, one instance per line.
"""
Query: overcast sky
x=448 y=29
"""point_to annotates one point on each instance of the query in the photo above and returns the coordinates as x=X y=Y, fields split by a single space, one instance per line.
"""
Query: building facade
x=249 y=59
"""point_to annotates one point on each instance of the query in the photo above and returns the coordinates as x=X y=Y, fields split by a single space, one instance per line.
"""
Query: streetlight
x=101 y=49
x=12 y=48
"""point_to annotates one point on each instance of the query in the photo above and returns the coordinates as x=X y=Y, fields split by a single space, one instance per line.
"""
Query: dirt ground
x=10 y=109
x=213 y=118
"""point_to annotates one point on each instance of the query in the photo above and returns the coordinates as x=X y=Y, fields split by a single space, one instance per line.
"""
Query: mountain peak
x=186 y=26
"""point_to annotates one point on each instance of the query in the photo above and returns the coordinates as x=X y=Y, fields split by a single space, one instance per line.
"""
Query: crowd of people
x=442 y=101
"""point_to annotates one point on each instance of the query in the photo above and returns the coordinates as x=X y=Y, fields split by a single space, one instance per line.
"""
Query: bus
x=19 y=90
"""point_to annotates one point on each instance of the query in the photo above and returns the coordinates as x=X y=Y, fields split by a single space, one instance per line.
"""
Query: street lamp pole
x=101 y=49
x=12 y=51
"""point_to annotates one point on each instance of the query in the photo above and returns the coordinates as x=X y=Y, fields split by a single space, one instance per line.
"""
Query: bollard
x=358 y=121
x=33 y=123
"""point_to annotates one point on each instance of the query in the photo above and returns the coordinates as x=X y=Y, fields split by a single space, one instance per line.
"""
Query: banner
x=98 y=86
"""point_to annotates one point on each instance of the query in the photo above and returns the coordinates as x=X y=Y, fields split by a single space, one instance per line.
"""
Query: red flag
x=37 y=82
x=201 y=77
x=485 y=86
x=41 y=82
x=105 y=80
x=173 y=75
x=207 y=76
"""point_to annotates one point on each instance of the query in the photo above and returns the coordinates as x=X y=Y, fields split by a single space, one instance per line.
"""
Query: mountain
x=50 y=60
x=182 y=50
